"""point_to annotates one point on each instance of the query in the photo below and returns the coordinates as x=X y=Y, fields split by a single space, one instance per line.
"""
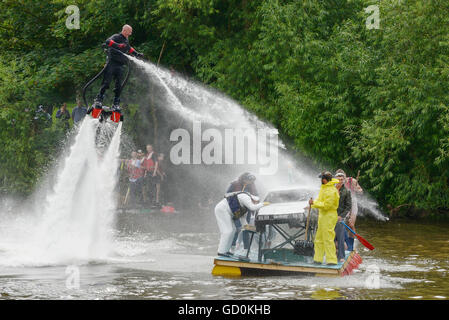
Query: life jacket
x=234 y=203
x=134 y=172
x=148 y=164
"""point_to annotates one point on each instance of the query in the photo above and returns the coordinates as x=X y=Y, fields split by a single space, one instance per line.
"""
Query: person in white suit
x=235 y=205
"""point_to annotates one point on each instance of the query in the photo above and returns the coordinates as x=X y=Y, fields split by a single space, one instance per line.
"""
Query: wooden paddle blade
x=364 y=242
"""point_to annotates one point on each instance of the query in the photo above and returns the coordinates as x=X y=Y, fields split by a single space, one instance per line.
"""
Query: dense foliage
x=374 y=100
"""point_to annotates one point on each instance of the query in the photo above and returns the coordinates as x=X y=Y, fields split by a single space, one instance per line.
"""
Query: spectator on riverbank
x=344 y=208
x=63 y=115
x=42 y=118
x=150 y=166
x=135 y=173
x=78 y=113
x=159 y=178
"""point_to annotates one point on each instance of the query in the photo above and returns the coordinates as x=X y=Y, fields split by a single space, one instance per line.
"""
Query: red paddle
x=362 y=241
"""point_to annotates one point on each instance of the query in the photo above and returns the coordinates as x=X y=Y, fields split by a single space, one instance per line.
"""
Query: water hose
x=101 y=72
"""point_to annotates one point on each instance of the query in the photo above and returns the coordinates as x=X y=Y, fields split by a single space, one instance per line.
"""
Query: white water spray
x=75 y=222
x=204 y=104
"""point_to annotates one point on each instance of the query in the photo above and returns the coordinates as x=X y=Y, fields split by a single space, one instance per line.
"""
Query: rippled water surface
x=172 y=257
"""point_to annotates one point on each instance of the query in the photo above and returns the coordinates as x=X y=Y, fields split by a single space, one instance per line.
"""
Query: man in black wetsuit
x=116 y=62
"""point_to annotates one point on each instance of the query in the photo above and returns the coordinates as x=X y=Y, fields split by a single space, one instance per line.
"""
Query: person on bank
x=234 y=206
x=135 y=172
x=344 y=208
x=245 y=182
x=151 y=166
x=327 y=204
x=79 y=112
x=64 y=116
x=116 y=62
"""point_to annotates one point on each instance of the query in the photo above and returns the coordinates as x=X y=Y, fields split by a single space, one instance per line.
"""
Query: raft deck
x=285 y=260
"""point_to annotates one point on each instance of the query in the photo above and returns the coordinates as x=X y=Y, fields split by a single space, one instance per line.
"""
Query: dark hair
x=326 y=175
x=247 y=177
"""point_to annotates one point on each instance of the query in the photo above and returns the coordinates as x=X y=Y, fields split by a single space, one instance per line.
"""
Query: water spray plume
x=75 y=222
x=194 y=101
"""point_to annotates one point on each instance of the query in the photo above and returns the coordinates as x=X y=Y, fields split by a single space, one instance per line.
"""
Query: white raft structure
x=276 y=230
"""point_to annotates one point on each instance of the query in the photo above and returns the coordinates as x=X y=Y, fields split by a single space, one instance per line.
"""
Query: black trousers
x=113 y=70
x=150 y=183
x=135 y=192
x=340 y=238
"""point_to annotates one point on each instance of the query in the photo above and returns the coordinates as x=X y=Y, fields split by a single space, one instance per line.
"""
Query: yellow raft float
x=284 y=261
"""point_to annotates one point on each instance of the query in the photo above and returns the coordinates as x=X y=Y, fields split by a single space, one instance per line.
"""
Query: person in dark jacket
x=344 y=207
x=64 y=116
x=116 y=62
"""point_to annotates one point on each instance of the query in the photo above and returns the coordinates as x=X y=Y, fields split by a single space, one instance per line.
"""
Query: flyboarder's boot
x=116 y=115
x=97 y=107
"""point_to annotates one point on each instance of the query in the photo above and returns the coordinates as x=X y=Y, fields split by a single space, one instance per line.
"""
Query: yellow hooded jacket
x=328 y=198
x=327 y=203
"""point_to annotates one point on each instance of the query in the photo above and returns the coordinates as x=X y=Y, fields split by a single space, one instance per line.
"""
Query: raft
x=284 y=261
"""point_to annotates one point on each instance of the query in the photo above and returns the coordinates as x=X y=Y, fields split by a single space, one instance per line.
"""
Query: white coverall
x=225 y=223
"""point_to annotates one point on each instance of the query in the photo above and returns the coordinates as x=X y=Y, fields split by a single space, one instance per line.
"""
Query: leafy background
x=374 y=100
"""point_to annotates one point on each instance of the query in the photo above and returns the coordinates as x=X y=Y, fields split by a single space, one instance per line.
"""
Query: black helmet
x=325 y=175
x=247 y=177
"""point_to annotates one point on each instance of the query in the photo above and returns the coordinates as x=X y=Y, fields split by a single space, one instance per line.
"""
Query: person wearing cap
x=245 y=182
x=344 y=208
x=234 y=206
x=353 y=186
x=327 y=204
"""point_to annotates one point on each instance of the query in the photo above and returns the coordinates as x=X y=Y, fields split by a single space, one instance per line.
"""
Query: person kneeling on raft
x=234 y=206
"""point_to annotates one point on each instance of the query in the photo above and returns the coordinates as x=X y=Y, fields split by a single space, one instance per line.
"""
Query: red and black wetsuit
x=115 y=68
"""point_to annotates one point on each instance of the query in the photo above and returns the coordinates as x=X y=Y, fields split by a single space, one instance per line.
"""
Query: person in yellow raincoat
x=327 y=204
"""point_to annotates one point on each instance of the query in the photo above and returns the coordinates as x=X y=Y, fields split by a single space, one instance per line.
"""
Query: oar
x=363 y=241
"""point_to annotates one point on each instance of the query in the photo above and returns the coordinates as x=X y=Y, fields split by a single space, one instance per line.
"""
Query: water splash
x=75 y=221
x=172 y=100
x=196 y=102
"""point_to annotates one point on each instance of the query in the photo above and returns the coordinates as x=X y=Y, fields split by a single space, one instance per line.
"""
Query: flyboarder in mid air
x=116 y=47
x=115 y=64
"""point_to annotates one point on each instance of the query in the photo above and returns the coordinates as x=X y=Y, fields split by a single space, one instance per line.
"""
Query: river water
x=171 y=257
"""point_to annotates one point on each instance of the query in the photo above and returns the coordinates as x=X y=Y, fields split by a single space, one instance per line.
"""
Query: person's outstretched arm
x=245 y=200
